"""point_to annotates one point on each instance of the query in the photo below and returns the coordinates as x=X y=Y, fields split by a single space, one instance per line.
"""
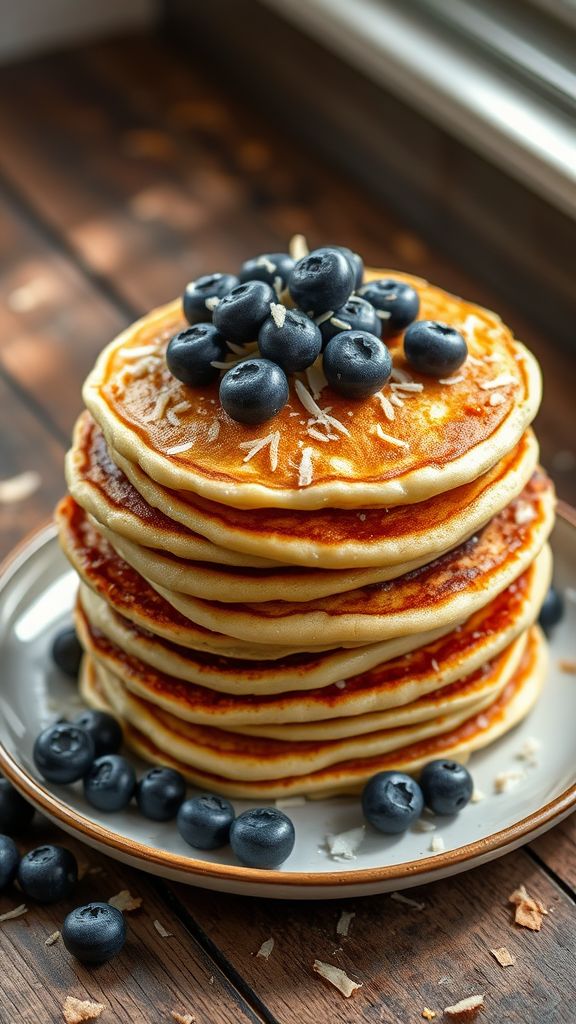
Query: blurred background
x=144 y=142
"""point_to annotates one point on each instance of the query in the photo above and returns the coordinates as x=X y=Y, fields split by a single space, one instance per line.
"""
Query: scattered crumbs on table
x=466 y=1008
x=76 y=1011
x=125 y=901
x=344 y=922
x=345 y=845
x=18 y=488
x=437 y=845
x=428 y=1014
x=52 y=939
x=444 y=980
x=568 y=666
x=399 y=897
x=506 y=781
x=529 y=912
x=265 y=950
x=504 y=957
x=183 y=1018
x=337 y=977
x=211 y=979
x=162 y=932
x=11 y=915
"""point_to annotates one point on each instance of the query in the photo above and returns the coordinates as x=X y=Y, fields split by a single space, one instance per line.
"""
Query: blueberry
x=196 y=293
x=94 y=933
x=63 y=753
x=66 y=652
x=110 y=783
x=552 y=610
x=15 y=812
x=190 y=354
x=358 y=313
x=446 y=785
x=262 y=838
x=268 y=267
x=356 y=262
x=160 y=793
x=397 y=298
x=254 y=391
x=295 y=345
x=433 y=348
x=9 y=861
x=204 y=821
x=391 y=801
x=356 y=364
x=48 y=874
x=241 y=313
x=105 y=731
x=321 y=281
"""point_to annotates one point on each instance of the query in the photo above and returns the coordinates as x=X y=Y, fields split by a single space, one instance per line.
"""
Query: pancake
x=444 y=592
x=120 y=496
x=444 y=435
x=303 y=685
x=154 y=739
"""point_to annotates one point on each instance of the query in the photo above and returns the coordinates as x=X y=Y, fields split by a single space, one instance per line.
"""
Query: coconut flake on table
x=336 y=977
x=345 y=845
x=399 y=897
x=265 y=950
x=11 y=915
x=344 y=922
x=466 y=1008
x=18 y=488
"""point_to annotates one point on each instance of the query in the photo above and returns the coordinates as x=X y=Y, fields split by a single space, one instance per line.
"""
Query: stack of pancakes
x=289 y=608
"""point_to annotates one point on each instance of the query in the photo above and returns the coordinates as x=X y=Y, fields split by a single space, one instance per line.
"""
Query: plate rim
x=194 y=867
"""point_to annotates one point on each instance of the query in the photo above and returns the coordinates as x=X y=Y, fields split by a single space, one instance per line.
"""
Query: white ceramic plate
x=37 y=590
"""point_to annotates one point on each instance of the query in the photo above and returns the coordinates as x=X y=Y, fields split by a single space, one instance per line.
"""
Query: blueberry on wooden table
x=47 y=874
x=63 y=753
x=398 y=302
x=391 y=801
x=160 y=793
x=356 y=262
x=191 y=352
x=254 y=391
x=94 y=933
x=204 y=821
x=199 y=296
x=356 y=364
x=274 y=268
x=446 y=786
x=291 y=340
x=263 y=837
x=241 y=313
x=434 y=349
x=110 y=783
x=15 y=812
x=105 y=730
x=321 y=281
x=67 y=652
x=355 y=315
x=9 y=861
x=552 y=610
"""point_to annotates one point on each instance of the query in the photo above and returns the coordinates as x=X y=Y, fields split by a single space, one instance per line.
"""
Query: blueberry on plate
x=110 y=783
x=294 y=345
x=446 y=785
x=200 y=292
x=191 y=352
x=241 y=313
x=9 y=861
x=552 y=610
x=67 y=652
x=356 y=364
x=263 y=837
x=356 y=262
x=15 y=812
x=94 y=933
x=434 y=349
x=397 y=301
x=391 y=801
x=47 y=874
x=272 y=267
x=204 y=821
x=254 y=391
x=321 y=281
x=104 y=729
x=63 y=753
x=159 y=793
x=355 y=315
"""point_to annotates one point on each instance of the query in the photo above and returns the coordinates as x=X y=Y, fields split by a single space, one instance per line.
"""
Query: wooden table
x=124 y=173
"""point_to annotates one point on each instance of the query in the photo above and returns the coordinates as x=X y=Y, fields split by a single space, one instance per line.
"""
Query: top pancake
x=446 y=435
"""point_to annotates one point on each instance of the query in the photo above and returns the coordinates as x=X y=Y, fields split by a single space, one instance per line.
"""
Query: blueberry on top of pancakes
x=356 y=315
x=274 y=268
x=355 y=261
x=191 y=352
x=200 y=296
x=433 y=348
x=241 y=313
x=321 y=281
x=396 y=302
x=356 y=364
x=254 y=391
x=290 y=338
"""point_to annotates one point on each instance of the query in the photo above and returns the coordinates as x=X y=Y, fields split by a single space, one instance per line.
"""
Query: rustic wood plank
x=153 y=976
x=557 y=849
x=406 y=959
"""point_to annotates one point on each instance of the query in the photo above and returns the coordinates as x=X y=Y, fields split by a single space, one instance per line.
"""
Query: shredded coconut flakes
x=501 y=381
x=504 y=957
x=52 y=939
x=396 y=442
x=399 y=897
x=266 y=949
x=506 y=781
x=253 y=447
x=278 y=314
x=298 y=247
x=345 y=845
x=344 y=922
x=496 y=398
x=125 y=901
x=466 y=1008
x=177 y=449
x=213 y=431
x=212 y=302
x=320 y=415
x=387 y=407
x=76 y=1011
x=451 y=380
x=437 y=845
x=11 y=915
x=183 y=1018
x=306 y=468
x=162 y=932
x=336 y=977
